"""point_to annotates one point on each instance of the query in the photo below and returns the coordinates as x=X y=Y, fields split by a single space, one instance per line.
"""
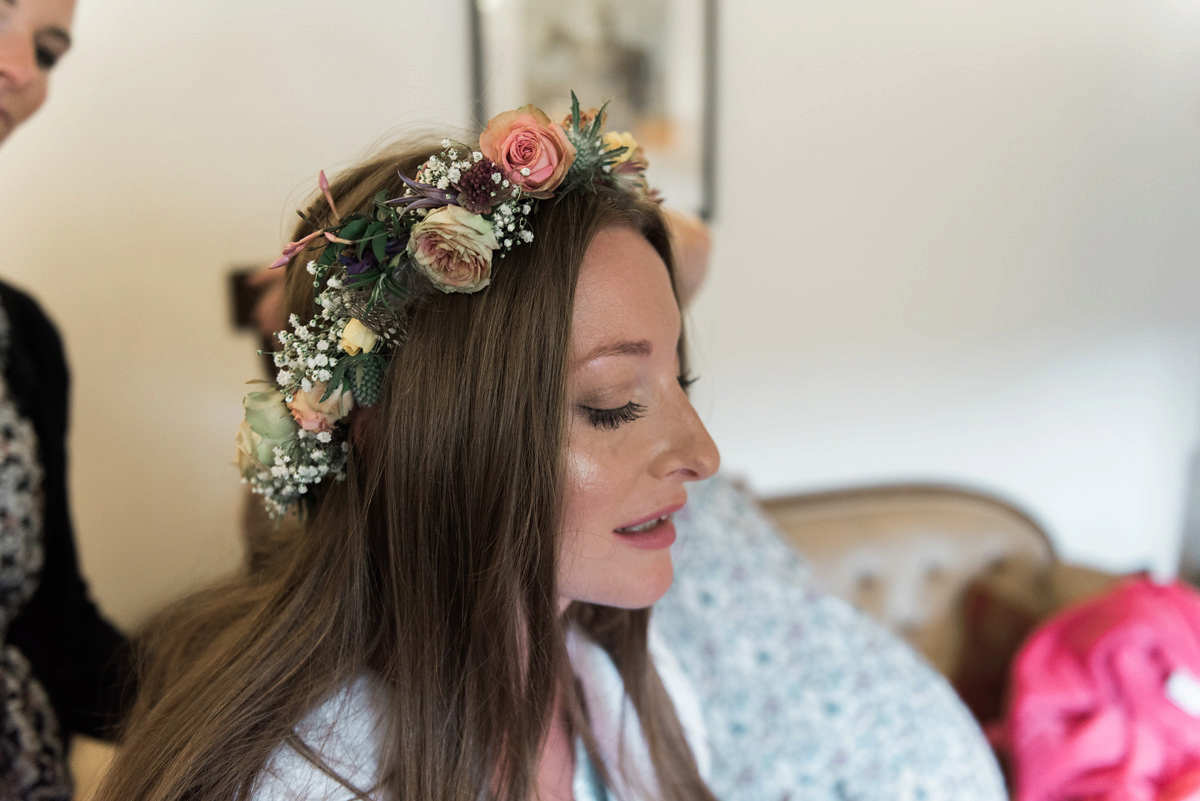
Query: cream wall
x=954 y=241
x=958 y=242
x=178 y=140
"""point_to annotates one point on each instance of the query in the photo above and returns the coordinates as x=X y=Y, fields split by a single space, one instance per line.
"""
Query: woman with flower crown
x=480 y=417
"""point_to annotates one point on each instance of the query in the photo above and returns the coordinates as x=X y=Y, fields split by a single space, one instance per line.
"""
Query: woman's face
x=33 y=37
x=634 y=438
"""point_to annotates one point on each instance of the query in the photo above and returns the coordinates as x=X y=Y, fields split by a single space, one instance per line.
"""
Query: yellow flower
x=614 y=139
x=357 y=338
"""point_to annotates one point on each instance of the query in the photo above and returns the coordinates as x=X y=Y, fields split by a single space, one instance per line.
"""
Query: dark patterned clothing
x=61 y=664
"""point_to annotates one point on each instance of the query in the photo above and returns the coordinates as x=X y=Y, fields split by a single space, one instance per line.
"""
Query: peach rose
x=586 y=118
x=532 y=151
x=453 y=248
x=314 y=414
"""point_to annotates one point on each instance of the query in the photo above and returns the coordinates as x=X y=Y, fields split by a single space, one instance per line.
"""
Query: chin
x=637 y=589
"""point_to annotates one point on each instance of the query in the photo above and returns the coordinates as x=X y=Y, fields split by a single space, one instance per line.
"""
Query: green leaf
x=574 y=111
x=594 y=131
x=379 y=243
x=354 y=228
x=338 y=378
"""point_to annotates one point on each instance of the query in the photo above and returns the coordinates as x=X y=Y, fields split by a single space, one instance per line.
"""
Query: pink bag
x=1106 y=699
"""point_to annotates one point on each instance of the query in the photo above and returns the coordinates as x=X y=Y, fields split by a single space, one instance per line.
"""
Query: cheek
x=32 y=98
x=593 y=565
x=585 y=487
x=585 y=548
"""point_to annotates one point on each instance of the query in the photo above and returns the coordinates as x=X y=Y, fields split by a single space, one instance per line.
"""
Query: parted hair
x=432 y=565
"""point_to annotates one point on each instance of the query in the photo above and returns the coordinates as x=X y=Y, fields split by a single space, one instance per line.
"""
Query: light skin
x=634 y=439
x=34 y=36
x=634 y=442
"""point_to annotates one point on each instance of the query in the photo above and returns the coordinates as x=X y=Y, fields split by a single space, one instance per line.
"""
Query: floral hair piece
x=462 y=212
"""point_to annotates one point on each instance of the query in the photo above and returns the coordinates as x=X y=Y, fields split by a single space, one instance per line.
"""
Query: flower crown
x=464 y=209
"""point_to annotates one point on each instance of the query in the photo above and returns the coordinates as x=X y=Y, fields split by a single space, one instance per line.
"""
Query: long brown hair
x=433 y=565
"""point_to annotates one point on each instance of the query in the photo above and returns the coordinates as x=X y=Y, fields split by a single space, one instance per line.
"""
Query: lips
x=644 y=527
x=653 y=531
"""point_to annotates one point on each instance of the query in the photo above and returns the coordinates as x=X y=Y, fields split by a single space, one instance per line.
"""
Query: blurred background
x=953 y=242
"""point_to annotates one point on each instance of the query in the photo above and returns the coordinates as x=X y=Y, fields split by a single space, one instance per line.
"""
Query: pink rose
x=453 y=248
x=533 y=152
x=314 y=414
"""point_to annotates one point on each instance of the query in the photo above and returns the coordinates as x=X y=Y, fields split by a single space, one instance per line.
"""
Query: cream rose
x=247 y=441
x=268 y=424
x=453 y=248
x=357 y=338
x=313 y=414
x=533 y=152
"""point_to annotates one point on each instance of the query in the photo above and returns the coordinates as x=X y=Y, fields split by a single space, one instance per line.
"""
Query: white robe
x=345 y=732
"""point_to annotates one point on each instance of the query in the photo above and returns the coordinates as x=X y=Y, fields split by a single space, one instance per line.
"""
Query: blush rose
x=453 y=248
x=533 y=152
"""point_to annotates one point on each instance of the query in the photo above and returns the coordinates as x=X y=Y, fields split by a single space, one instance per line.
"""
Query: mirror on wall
x=653 y=60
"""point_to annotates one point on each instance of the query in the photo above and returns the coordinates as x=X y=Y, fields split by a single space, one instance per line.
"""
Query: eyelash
x=686 y=380
x=614 y=418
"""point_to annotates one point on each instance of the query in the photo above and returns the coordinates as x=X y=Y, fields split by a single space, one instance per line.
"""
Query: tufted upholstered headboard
x=907 y=553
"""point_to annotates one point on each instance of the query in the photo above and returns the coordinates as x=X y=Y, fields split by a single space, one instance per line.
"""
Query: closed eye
x=686 y=380
x=613 y=418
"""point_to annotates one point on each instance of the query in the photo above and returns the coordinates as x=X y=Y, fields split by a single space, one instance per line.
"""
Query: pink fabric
x=1090 y=720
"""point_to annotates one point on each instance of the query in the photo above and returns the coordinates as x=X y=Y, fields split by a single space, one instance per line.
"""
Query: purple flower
x=478 y=191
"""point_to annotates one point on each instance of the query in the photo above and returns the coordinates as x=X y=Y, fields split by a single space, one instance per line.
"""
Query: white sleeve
x=344 y=732
x=687 y=702
x=615 y=724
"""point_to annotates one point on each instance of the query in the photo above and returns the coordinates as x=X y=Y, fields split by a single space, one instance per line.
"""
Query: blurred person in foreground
x=62 y=665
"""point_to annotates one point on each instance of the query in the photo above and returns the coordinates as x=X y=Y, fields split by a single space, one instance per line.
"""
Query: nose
x=690 y=453
x=18 y=57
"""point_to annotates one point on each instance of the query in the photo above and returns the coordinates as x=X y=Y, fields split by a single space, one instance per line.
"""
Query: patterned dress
x=805 y=698
x=31 y=749
x=61 y=664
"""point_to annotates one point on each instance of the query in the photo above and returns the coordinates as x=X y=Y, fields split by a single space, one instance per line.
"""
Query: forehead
x=624 y=293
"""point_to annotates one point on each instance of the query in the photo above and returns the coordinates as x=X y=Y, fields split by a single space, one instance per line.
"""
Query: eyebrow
x=626 y=348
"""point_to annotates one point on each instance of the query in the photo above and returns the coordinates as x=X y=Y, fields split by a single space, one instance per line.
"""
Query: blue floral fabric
x=804 y=697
